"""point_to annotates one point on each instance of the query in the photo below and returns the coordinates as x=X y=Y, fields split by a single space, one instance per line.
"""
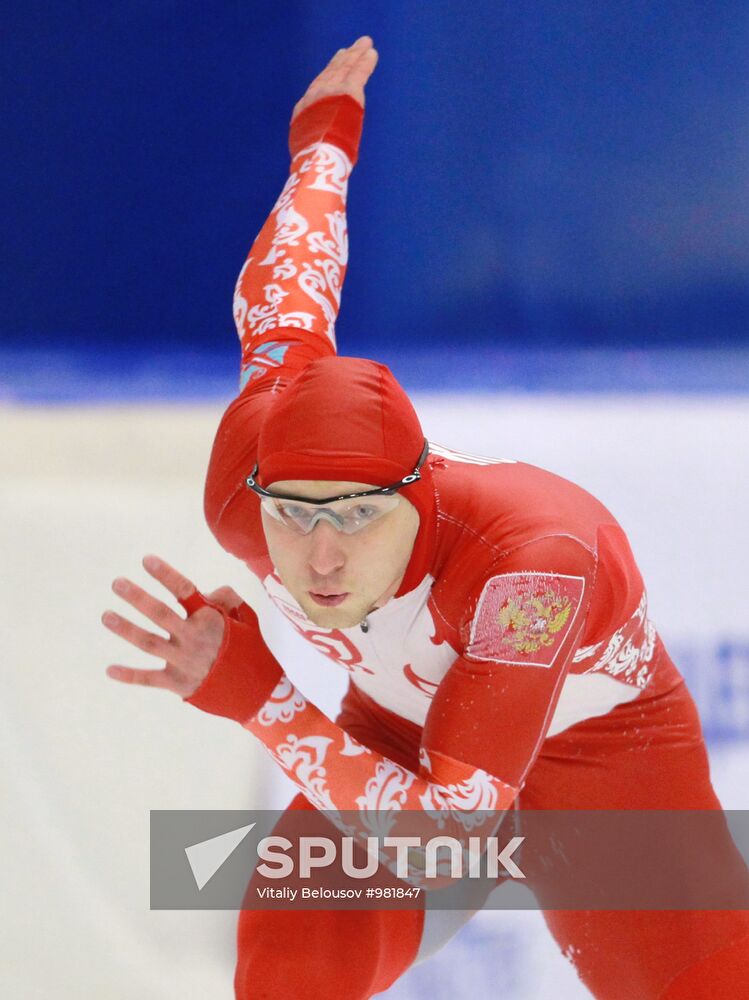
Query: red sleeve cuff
x=243 y=674
x=336 y=119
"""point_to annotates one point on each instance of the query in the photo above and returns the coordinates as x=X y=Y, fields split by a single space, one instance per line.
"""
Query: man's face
x=336 y=578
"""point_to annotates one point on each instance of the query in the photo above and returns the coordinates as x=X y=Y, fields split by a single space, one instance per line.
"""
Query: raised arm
x=288 y=292
x=292 y=278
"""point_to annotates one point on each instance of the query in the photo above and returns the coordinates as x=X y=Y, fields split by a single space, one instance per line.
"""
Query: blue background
x=540 y=176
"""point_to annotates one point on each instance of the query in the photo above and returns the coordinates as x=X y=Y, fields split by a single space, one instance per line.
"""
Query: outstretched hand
x=193 y=643
x=346 y=73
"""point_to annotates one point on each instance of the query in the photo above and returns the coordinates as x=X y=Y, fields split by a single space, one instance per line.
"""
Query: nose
x=326 y=555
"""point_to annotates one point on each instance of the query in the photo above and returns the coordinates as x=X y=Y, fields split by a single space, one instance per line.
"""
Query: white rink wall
x=87 y=491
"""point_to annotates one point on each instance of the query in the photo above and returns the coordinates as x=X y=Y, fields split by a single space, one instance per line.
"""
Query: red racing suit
x=515 y=665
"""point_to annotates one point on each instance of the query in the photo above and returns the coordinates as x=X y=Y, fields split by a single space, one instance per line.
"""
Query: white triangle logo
x=207 y=857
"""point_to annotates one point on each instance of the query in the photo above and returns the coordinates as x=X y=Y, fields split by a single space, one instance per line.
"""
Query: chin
x=340 y=617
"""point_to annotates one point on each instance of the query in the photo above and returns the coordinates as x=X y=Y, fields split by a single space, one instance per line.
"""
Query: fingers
x=146 y=678
x=169 y=577
x=353 y=57
x=151 y=607
x=159 y=613
x=361 y=70
x=346 y=73
x=352 y=53
x=332 y=67
x=138 y=637
x=344 y=59
x=358 y=66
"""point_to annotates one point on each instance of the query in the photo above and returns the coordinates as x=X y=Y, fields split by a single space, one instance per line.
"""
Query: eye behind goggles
x=349 y=513
x=348 y=516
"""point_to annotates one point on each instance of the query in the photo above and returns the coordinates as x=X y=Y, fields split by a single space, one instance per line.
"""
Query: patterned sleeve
x=286 y=302
x=336 y=772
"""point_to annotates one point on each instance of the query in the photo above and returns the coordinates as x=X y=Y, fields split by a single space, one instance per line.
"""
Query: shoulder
x=512 y=534
x=508 y=502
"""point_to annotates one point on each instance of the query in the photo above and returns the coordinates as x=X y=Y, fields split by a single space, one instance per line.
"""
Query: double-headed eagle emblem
x=530 y=624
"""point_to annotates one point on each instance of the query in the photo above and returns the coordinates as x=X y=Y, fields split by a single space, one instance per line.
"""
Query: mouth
x=328 y=600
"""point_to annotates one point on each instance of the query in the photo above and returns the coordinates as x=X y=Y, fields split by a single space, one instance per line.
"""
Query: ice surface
x=87 y=491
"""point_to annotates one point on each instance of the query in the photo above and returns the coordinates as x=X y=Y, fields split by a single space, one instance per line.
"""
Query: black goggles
x=412 y=477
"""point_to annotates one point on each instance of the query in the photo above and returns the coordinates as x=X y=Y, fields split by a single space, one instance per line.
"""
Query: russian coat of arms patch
x=525 y=618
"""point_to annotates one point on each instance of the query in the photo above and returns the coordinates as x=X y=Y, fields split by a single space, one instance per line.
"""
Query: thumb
x=225 y=597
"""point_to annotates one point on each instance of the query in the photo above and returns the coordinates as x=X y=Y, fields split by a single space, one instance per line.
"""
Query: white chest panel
x=397 y=662
x=400 y=666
